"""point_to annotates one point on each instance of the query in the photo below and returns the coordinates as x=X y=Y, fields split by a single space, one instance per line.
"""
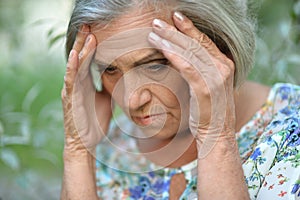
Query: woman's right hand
x=86 y=112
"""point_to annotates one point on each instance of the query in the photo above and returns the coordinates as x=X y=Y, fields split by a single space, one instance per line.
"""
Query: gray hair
x=226 y=22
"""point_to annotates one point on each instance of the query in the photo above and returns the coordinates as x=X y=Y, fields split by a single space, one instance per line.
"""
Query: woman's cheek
x=115 y=88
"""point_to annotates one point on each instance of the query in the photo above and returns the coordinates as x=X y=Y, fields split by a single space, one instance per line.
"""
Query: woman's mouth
x=149 y=119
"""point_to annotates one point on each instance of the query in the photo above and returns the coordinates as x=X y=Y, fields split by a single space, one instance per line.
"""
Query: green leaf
x=50 y=32
x=1 y=130
x=10 y=158
x=31 y=95
x=56 y=38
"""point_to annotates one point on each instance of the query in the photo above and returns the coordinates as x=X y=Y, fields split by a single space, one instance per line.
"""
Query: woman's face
x=139 y=78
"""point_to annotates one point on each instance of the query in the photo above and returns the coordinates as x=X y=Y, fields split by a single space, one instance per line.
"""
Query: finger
x=186 y=26
x=88 y=50
x=194 y=71
x=181 y=59
x=193 y=57
x=188 y=37
x=201 y=74
x=83 y=97
x=81 y=37
x=71 y=71
x=194 y=41
x=170 y=33
x=83 y=80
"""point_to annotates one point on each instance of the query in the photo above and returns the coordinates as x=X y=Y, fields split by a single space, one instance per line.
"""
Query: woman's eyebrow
x=102 y=65
x=148 y=58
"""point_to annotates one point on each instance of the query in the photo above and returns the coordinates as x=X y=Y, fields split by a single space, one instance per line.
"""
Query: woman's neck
x=249 y=98
x=173 y=152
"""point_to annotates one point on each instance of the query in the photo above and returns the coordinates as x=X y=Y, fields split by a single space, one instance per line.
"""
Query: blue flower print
x=145 y=184
x=286 y=110
x=293 y=137
x=148 y=198
x=293 y=123
x=269 y=140
x=136 y=192
x=151 y=174
x=160 y=186
x=140 y=190
x=285 y=92
x=275 y=123
x=255 y=154
x=296 y=189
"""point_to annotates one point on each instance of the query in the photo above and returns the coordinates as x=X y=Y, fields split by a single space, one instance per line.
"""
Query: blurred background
x=32 y=63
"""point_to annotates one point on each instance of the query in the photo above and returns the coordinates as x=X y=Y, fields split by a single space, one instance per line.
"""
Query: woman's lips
x=148 y=119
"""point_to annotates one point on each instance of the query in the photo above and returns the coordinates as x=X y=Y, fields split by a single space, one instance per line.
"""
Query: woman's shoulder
x=282 y=98
x=272 y=166
x=278 y=95
x=285 y=91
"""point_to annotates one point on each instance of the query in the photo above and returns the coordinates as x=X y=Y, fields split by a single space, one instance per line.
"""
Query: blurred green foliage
x=31 y=129
x=278 y=42
x=31 y=124
x=31 y=133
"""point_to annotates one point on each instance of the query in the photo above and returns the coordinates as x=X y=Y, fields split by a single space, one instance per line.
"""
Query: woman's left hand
x=210 y=76
x=209 y=73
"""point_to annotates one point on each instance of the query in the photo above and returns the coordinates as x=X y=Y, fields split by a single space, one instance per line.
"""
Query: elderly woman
x=191 y=126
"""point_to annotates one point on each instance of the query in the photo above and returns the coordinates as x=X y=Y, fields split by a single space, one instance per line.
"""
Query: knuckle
x=81 y=54
x=205 y=41
x=188 y=26
x=189 y=55
x=231 y=64
x=171 y=33
x=64 y=97
x=223 y=70
x=200 y=37
x=67 y=89
x=67 y=83
x=227 y=74
x=190 y=71
x=78 y=44
x=206 y=92
x=172 y=56
x=194 y=46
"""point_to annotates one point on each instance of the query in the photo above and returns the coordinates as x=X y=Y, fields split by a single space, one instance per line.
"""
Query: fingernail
x=71 y=55
x=158 y=23
x=153 y=36
x=178 y=16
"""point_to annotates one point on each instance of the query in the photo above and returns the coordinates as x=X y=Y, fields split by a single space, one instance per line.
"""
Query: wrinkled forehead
x=127 y=42
x=131 y=19
x=127 y=33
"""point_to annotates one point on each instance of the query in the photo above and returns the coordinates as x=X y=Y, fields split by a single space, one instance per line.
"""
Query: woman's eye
x=110 y=70
x=156 y=67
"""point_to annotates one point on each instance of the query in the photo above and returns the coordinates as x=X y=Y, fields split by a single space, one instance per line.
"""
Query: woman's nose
x=137 y=91
x=139 y=98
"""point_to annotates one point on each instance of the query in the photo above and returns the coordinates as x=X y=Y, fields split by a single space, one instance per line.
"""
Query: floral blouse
x=269 y=146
